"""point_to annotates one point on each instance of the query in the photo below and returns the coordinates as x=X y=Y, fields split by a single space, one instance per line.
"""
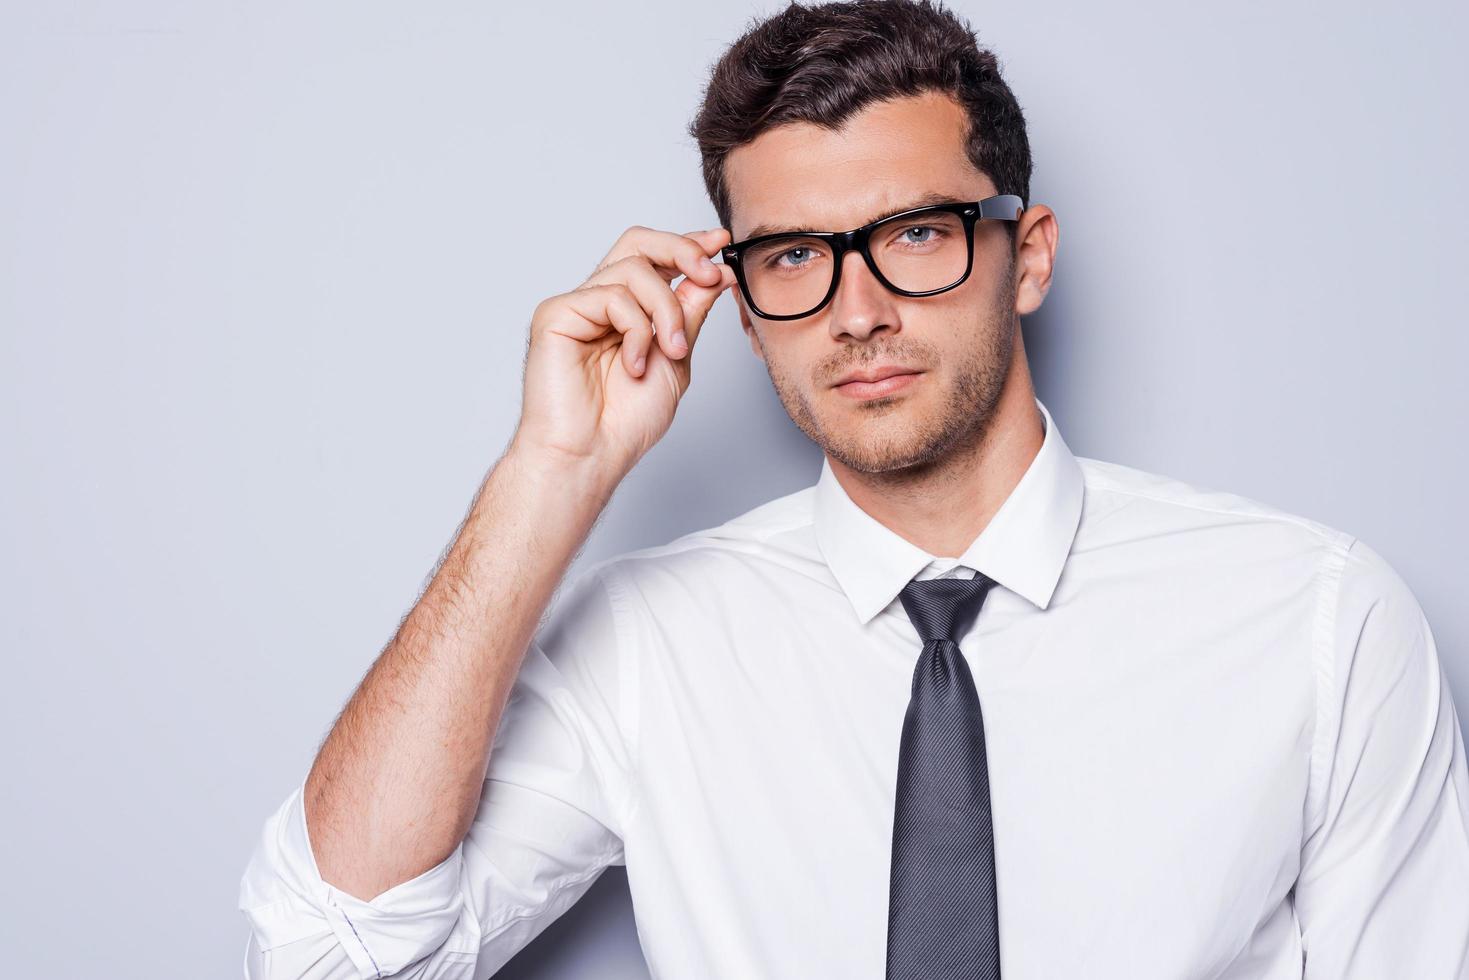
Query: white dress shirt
x=1220 y=742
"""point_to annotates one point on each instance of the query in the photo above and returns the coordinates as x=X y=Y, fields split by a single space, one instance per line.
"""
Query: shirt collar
x=1023 y=548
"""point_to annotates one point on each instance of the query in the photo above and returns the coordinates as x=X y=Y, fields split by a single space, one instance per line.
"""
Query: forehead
x=882 y=159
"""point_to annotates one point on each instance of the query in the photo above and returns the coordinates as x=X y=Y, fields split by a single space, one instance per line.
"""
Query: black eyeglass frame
x=1003 y=207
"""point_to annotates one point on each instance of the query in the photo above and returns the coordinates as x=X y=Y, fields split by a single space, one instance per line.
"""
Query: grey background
x=265 y=273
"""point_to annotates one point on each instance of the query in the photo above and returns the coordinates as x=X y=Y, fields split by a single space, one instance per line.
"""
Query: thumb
x=697 y=300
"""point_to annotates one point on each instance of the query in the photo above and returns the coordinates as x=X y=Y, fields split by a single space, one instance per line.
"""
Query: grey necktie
x=943 y=917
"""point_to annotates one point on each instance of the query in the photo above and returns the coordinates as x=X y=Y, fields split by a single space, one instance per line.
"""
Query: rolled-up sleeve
x=550 y=819
x=1383 y=889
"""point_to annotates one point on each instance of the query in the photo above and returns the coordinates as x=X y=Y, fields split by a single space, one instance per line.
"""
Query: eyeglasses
x=920 y=252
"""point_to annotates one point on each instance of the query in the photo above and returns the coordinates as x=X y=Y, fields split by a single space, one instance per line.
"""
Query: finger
x=614 y=305
x=671 y=254
x=628 y=316
x=697 y=300
x=711 y=241
x=652 y=291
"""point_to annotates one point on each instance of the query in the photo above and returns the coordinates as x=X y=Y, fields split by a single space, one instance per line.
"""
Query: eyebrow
x=932 y=197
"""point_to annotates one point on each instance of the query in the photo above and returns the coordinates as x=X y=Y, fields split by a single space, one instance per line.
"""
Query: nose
x=862 y=305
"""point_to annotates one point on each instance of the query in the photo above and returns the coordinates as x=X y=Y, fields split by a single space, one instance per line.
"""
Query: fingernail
x=681 y=340
x=706 y=261
x=637 y=368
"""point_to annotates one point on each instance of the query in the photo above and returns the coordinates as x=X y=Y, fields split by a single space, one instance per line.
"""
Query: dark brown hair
x=822 y=64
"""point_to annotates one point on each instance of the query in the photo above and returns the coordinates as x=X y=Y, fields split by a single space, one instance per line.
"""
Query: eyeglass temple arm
x=1007 y=206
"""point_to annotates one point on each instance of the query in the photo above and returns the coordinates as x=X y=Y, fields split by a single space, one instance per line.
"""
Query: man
x=969 y=706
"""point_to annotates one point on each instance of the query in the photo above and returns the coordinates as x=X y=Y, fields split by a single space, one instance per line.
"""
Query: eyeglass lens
x=791 y=274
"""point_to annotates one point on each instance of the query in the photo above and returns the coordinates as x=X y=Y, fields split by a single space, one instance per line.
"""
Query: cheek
x=975 y=295
x=970 y=310
x=783 y=358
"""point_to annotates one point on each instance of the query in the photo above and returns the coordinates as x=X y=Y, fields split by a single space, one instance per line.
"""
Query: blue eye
x=801 y=254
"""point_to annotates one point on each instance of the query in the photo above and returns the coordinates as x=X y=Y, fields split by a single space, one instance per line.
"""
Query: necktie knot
x=945 y=608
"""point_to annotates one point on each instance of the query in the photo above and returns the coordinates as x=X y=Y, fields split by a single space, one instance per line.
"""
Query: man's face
x=884 y=159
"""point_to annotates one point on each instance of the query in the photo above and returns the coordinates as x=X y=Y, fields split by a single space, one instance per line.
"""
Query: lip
x=874 y=374
x=886 y=383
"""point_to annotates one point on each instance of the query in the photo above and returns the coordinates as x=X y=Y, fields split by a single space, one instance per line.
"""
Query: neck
x=942 y=508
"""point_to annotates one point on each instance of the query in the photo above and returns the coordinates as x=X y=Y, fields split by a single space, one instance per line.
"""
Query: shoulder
x=1376 y=609
x=769 y=540
x=1122 y=500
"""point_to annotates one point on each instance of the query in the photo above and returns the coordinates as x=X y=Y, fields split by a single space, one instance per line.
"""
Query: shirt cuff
x=285 y=899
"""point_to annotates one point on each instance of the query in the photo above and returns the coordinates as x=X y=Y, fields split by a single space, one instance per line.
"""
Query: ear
x=1035 y=257
x=748 y=325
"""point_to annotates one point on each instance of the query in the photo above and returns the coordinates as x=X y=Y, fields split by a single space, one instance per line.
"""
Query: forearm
x=395 y=786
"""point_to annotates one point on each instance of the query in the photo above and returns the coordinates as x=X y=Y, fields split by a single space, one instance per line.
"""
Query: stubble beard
x=890 y=435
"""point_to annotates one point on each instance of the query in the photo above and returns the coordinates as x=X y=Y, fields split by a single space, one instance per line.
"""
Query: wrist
x=558 y=471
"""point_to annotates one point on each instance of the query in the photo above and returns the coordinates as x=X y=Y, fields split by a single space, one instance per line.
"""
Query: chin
x=873 y=435
x=876 y=445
